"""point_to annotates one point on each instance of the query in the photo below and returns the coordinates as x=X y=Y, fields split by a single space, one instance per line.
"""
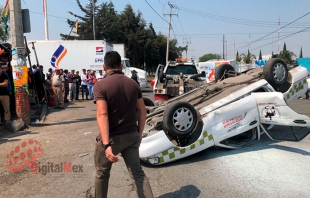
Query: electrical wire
x=235 y=20
x=156 y=12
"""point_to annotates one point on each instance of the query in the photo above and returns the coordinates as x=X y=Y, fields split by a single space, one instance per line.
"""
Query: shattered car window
x=185 y=69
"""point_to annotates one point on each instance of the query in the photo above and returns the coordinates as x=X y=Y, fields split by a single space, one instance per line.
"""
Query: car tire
x=148 y=102
x=179 y=119
x=275 y=72
x=221 y=69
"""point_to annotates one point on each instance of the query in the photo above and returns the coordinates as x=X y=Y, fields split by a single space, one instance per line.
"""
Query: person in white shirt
x=84 y=84
x=100 y=75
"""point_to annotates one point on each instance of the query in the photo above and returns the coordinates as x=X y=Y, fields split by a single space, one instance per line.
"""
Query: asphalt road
x=265 y=169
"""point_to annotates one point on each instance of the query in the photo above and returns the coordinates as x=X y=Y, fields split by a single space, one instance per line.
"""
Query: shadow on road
x=7 y=138
x=71 y=121
x=184 y=192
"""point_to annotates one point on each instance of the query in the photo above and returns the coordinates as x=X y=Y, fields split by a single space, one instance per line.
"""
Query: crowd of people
x=64 y=84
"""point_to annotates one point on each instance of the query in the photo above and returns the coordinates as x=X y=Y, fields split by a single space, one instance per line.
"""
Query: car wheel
x=148 y=102
x=179 y=119
x=221 y=70
x=275 y=72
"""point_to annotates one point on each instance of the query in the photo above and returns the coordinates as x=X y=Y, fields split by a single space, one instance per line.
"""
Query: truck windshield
x=126 y=63
x=185 y=69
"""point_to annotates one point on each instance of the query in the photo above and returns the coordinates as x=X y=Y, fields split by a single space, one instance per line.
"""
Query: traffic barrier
x=52 y=101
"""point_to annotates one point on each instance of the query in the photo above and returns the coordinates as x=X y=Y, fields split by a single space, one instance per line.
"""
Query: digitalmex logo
x=58 y=55
x=99 y=50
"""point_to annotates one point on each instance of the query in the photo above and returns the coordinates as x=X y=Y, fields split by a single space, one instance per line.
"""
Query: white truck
x=78 y=55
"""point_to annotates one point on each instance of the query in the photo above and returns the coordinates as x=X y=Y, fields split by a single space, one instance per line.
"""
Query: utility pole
x=186 y=42
x=94 y=28
x=45 y=20
x=223 y=46
x=18 y=62
x=226 y=50
x=234 y=48
x=169 y=27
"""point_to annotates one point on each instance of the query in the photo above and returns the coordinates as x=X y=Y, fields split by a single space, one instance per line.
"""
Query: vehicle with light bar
x=176 y=78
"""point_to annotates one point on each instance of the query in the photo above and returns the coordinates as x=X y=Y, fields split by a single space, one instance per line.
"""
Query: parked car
x=231 y=113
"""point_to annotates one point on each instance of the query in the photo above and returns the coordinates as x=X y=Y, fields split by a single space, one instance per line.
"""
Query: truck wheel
x=275 y=72
x=179 y=119
x=148 y=102
x=221 y=70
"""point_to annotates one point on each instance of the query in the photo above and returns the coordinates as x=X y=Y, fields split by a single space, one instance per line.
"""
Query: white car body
x=241 y=111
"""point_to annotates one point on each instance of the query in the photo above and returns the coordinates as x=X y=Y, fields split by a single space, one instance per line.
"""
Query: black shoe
x=56 y=107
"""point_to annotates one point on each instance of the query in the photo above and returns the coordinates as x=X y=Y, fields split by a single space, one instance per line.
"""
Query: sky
x=246 y=24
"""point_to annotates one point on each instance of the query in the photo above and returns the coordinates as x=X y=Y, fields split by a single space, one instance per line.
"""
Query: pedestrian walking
x=118 y=98
x=78 y=84
x=31 y=89
x=39 y=78
x=4 y=95
x=134 y=76
x=65 y=74
x=58 y=85
x=72 y=85
x=84 y=84
x=48 y=86
x=91 y=80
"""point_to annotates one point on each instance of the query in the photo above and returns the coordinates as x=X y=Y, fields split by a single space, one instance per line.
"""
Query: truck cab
x=141 y=73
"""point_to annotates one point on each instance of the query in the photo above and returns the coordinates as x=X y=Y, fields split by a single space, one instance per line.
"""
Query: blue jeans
x=91 y=91
x=84 y=89
x=307 y=95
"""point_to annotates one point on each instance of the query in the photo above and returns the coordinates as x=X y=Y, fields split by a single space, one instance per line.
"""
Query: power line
x=48 y=15
x=235 y=20
x=156 y=12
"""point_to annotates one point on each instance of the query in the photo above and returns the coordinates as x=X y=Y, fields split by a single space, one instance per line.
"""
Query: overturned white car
x=231 y=113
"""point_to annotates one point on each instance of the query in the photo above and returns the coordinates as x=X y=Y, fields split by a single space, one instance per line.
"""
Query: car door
x=232 y=120
x=273 y=110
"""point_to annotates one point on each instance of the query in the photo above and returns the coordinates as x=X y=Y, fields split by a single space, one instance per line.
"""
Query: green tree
x=209 y=56
x=238 y=58
x=287 y=56
x=300 y=54
x=284 y=47
x=4 y=35
x=248 y=58
x=260 y=55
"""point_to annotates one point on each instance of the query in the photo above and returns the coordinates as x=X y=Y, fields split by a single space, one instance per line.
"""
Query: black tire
x=175 y=112
x=220 y=70
x=275 y=72
x=148 y=102
x=161 y=75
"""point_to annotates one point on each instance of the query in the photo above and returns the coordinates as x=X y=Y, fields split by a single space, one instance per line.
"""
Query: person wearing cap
x=4 y=95
x=58 y=85
x=72 y=85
